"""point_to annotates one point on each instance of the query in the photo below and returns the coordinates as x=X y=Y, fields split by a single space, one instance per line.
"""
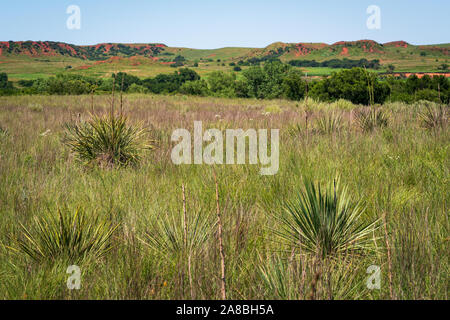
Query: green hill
x=31 y=59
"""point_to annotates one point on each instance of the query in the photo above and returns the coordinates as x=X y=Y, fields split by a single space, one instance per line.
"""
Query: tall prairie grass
x=399 y=171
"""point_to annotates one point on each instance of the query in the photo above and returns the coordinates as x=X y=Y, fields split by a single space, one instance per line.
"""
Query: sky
x=207 y=24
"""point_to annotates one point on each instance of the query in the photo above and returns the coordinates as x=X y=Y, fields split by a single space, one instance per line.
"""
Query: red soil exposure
x=108 y=47
x=114 y=59
x=3 y=44
x=344 y=51
x=366 y=45
x=397 y=44
x=135 y=61
x=212 y=55
x=43 y=48
x=84 y=67
x=304 y=49
x=110 y=60
x=170 y=62
x=421 y=74
x=67 y=47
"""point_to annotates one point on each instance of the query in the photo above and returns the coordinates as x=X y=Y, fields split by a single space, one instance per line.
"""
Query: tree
x=221 y=84
x=126 y=79
x=391 y=68
x=186 y=74
x=168 y=83
x=427 y=94
x=196 y=88
x=294 y=86
x=4 y=83
x=266 y=82
x=356 y=85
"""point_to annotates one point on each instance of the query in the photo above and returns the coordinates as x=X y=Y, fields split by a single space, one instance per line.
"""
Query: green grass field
x=400 y=172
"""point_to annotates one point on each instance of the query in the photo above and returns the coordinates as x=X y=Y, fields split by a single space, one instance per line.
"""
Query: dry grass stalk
x=185 y=241
x=388 y=248
x=121 y=96
x=222 y=254
x=113 y=95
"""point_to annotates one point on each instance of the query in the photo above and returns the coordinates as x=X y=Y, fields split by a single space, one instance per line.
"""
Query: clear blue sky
x=215 y=24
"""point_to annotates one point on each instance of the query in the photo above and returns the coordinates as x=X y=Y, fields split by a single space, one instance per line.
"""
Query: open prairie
x=157 y=221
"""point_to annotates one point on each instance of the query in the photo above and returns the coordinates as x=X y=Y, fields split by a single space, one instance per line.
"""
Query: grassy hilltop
x=31 y=59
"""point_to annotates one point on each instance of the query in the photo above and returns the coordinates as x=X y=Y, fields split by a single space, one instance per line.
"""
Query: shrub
x=196 y=88
x=294 y=86
x=4 y=83
x=108 y=141
x=325 y=222
x=75 y=236
x=427 y=94
x=221 y=84
x=356 y=85
x=125 y=81
x=136 y=88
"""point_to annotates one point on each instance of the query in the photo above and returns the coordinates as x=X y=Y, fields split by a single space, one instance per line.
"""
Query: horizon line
x=137 y=43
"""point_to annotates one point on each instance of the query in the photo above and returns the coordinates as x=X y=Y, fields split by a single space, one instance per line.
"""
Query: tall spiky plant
x=434 y=116
x=330 y=122
x=168 y=236
x=109 y=141
x=325 y=222
x=72 y=235
x=370 y=118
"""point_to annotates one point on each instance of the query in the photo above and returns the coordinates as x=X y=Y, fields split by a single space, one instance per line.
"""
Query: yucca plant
x=329 y=122
x=325 y=222
x=296 y=130
x=434 y=116
x=72 y=235
x=276 y=277
x=108 y=141
x=167 y=234
x=3 y=132
x=370 y=118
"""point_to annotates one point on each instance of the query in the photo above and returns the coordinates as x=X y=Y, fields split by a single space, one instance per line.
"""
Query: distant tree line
x=272 y=80
x=337 y=63
x=436 y=88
